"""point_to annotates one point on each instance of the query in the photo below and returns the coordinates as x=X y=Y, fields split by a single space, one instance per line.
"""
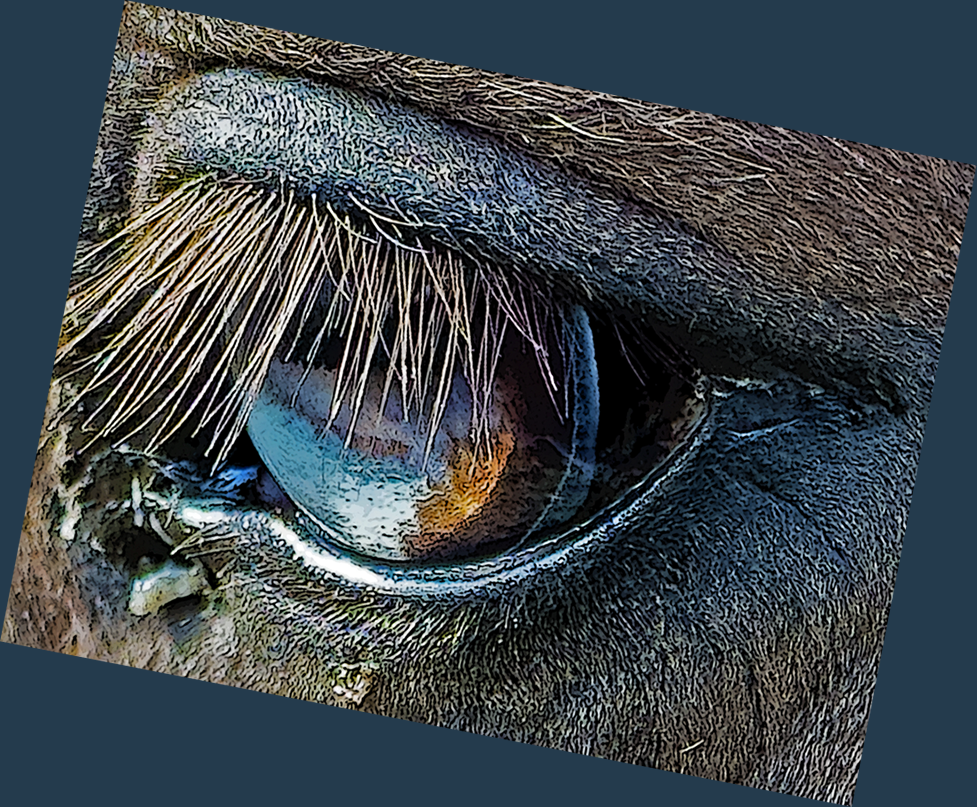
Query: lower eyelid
x=264 y=540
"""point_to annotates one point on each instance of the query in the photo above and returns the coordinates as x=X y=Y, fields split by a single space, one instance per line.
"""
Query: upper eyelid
x=740 y=156
x=366 y=156
x=658 y=268
x=731 y=178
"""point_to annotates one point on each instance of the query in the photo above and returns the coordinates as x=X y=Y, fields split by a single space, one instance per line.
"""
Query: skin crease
x=635 y=671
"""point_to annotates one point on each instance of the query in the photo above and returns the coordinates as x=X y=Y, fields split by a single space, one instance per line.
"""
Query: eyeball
x=387 y=486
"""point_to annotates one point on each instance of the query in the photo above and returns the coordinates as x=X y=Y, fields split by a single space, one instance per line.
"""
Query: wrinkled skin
x=740 y=601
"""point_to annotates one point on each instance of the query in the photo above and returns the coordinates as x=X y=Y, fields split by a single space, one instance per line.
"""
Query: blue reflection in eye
x=379 y=485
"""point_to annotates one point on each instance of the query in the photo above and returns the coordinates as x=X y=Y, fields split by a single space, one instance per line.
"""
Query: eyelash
x=211 y=249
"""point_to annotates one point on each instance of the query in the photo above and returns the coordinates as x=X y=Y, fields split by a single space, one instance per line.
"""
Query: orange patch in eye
x=470 y=486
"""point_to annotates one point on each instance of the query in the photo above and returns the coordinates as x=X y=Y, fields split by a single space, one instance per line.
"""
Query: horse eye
x=392 y=309
x=396 y=487
x=412 y=404
x=423 y=416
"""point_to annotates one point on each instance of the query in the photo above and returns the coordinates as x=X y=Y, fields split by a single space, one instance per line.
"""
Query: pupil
x=381 y=485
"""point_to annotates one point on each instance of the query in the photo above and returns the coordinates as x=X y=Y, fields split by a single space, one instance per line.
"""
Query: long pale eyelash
x=199 y=291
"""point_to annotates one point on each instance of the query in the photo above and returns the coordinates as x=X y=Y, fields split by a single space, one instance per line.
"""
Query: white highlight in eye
x=305 y=552
x=334 y=564
x=198 y=518
x=752 y=384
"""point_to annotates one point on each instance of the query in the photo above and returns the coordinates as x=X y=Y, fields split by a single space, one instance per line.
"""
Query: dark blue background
x=899 y=76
